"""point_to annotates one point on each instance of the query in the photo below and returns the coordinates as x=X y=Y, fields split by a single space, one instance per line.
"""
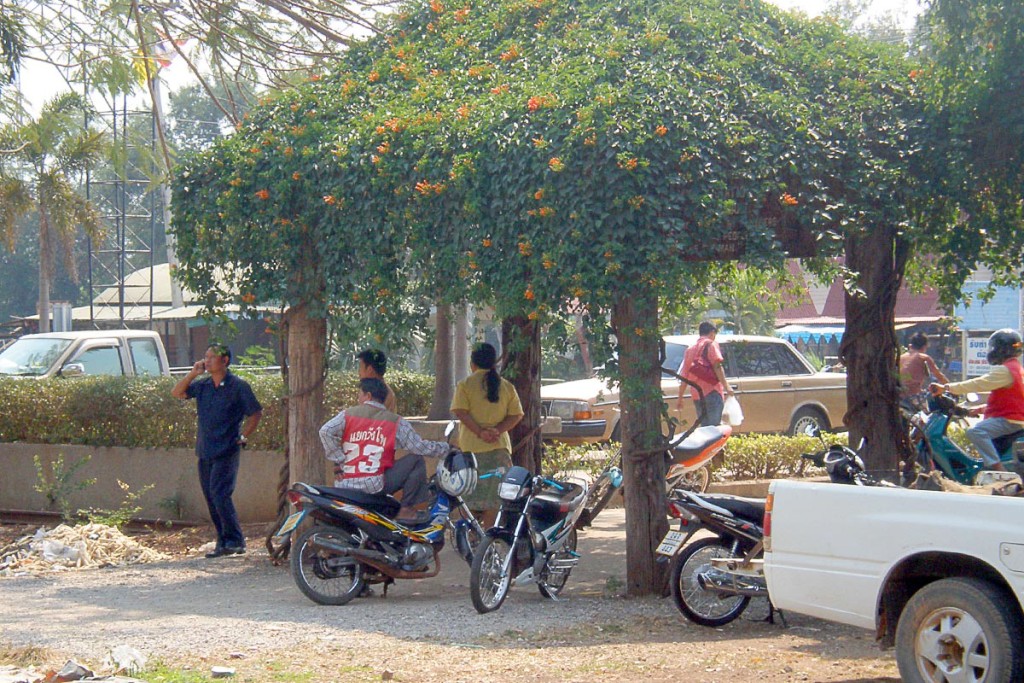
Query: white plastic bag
x=732 y=413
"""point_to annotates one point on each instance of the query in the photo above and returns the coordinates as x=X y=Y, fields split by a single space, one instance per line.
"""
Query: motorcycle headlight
x=511 y=490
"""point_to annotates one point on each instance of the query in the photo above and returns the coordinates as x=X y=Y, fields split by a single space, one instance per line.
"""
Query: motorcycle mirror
x=450 y=429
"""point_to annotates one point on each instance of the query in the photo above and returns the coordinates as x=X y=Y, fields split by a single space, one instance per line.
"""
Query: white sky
x=40 y=82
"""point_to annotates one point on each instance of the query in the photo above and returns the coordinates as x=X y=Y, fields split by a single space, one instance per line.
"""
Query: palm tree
x=12 y=46
x=39 y=160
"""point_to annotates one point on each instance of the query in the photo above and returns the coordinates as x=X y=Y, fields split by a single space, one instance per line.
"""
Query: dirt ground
x=245 y=613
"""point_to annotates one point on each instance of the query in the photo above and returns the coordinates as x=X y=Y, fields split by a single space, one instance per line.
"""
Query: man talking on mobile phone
x=228 y=413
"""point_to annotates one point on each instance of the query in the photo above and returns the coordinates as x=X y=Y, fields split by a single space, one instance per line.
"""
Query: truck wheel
x=806 y=420
x=704 y=607
x=959 y=629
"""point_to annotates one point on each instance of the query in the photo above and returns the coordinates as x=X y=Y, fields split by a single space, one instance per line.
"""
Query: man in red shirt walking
x=702 y=365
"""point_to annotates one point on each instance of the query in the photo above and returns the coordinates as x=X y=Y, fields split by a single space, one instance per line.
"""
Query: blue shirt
x=221 y=411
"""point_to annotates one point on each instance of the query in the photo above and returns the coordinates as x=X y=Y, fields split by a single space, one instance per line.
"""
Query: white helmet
x=456 y=474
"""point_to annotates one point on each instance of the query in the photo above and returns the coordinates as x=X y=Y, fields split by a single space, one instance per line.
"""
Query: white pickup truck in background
x=72 y=354
x=938 y=575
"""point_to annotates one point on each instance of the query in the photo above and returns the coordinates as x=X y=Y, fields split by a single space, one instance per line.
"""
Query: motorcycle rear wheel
x=324 y=576
x=552 y=583
x=701 y=606
x=696 y=480
x=488 y=586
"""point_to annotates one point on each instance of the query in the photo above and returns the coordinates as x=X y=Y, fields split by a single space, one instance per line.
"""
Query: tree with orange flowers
x=529 y=153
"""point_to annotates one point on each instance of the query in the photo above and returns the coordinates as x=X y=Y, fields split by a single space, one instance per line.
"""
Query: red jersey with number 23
x=369 y=446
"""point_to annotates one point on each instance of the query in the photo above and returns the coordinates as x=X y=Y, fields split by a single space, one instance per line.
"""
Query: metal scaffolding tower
x=121 y=287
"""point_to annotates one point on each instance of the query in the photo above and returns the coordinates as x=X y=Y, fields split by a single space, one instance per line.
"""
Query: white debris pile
x=74 y=547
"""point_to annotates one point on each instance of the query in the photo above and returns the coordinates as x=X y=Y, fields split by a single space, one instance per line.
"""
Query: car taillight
x=767 y=523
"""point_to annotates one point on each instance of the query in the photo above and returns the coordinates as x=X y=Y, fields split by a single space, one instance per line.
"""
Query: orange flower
x=539 y=194
x=374 y=77
x=533 y=315
x=487 y=242
x=914 y=73
x=534 y=103
x=263 y=194
x=296 y=176
x=294 y=107
x=235 y=182
x=788 y=200
x=525 y=248
x=660 y=131
x=384 y=147
x=463 y=111
x=556 y=165
x=545 y=211
x=629 y=164
x=461 y=14
x=288 y=151
x=590 y=140
x=329 y=199
x=636 y=201
x=255 y=150
x=528 y=294
x=249 y=297
x=315 y=77
x=436 y=7
x=510 y=54
x=540 y=143
x=548 y=264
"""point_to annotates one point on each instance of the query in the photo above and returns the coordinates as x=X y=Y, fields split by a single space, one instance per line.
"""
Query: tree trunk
x=307 y=351
x=581 y=339
x=45 y=269
x=870 y=350
x=460 y=345
x=444 y=384
x=635 y=320
x=520 y=343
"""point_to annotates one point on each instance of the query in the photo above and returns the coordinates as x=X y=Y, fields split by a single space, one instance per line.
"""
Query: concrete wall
x=172 y=473
x=175 y=495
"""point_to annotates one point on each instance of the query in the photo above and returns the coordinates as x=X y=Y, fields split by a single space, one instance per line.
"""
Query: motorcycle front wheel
x=552 y=581
x=326 y=576
x=700 y=606
x=488 y=584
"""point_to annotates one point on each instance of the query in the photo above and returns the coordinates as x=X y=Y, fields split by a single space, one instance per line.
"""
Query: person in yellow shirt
x=487 y=407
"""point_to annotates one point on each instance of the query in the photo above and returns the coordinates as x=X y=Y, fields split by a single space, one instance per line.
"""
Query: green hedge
x=745 y=456
x=141 y=413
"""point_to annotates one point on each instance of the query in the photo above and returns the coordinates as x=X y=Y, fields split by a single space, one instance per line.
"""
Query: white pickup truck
x=87 y=352
x=938 y=575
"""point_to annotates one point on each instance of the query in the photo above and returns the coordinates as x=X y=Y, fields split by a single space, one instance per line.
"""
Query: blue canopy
x=811 y=333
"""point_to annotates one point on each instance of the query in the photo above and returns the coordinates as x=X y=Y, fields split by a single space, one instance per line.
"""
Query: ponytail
x=484 y=356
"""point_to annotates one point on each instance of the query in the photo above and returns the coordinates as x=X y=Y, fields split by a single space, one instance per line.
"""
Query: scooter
x=940 y=452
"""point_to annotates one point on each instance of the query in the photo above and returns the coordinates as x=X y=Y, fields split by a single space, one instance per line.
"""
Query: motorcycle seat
x=697 y=442
x=751 y=509
x=380 y=503
x=1004 y=442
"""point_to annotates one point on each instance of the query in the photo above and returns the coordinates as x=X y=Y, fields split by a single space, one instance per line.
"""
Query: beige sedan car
x=778 y=390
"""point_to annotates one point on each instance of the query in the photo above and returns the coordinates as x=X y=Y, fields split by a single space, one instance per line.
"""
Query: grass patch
x=28 y=655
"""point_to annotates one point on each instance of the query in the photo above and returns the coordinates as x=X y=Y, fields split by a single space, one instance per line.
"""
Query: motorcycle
x=355 y=540
x=714 y=578
x=936 y=450
x=688 y=457
x=533 y=540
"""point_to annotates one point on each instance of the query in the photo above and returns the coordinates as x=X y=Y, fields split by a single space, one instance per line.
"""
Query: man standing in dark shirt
x=223 y=402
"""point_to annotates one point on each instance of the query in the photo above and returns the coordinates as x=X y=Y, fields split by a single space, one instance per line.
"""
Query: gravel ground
x=245 y=613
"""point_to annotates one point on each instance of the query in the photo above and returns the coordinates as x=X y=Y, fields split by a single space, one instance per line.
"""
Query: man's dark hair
x=706 y=328
x=375 y=388
x=222 y=350
x=375 y=359
x=919 y=341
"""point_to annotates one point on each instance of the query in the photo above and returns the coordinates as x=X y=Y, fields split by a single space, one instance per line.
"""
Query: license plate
x=671 y=543
x=290 y=523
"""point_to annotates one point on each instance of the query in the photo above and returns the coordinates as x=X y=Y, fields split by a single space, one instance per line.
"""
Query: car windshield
x=673 y=357
x=31 y=357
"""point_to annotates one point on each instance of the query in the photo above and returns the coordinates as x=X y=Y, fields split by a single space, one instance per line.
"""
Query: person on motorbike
x=362 y=440
x=916 y=367
x=1004 y=412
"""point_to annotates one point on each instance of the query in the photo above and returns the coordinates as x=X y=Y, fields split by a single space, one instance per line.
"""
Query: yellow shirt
x=471 y=396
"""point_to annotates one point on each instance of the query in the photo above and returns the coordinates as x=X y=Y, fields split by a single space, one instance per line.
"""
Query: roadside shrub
x=139 y=412
x=769 y=456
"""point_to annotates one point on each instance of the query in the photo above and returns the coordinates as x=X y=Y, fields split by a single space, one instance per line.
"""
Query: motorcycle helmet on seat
x=1003 y=345
x=456 y=473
